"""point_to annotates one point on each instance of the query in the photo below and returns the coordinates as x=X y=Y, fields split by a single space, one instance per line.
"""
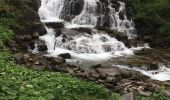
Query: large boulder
x=31 y=21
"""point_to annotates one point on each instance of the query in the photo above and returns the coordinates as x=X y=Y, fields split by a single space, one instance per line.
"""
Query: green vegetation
x=20 y=83
x=154 y=15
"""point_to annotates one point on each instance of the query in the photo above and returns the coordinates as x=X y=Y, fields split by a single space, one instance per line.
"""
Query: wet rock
x=71 y=9
x=107 y=48
x=55 y=25
x=23 y=38
x=153 y=66
x=35 y=35
x=104 y=72
x=82 y=29
x=150 y=87
x=41 y=45
x=31 y=45
x=110 y=79
x=93 y=74
x=58 y=32
x=128 y=96
x=59 y=68
x=166 y=56
x=107 y=21
x=84 y=74
x=65 y=56
x=97 y=66
x=39 y=27
x=57 y=61
x=103 y=39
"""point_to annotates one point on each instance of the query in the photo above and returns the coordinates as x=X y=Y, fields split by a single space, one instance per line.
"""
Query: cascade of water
x=88 y=15
x=89 y=12
x=98 y=45
x=161 y=74
x=94 y=13
x=50 y=10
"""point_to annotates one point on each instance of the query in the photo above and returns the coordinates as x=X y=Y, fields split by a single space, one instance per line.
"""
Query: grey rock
x=65 y=56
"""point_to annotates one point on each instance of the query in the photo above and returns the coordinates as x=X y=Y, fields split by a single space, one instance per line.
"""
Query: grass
x=20 y=83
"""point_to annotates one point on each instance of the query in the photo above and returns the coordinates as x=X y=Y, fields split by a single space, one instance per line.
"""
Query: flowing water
x=97 y=46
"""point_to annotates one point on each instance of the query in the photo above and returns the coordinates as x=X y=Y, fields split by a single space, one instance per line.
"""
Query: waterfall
x=94 y=46
x=86 y=13
x=50 y=10
x=94 y=13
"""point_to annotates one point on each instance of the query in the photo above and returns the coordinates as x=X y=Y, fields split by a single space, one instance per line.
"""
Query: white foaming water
x=88 y=15
x=161 y=74
x=51 y=10
x=98 y=46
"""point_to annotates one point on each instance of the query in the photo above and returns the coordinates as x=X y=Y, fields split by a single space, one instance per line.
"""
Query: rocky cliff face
x=30 y=22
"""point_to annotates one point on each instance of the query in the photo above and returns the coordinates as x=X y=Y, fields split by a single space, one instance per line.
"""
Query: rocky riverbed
x=112 y=76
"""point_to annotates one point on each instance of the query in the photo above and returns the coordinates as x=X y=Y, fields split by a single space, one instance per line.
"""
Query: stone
x=72 y=8
x=57 y=61
x=41 y=45
x=153 y=66
x=39 y=27
x=145 y=93
x=94 y=74
x=35 y=35
x=23 y=38
x=65 y=56
x=97 y=66
x=103 y=39
x=18 y=57
x=109 y=79
x=71 y=71
x=104 y=72
x=83 y=29
x=166 y=56
x=59 y=68
x=55 y=25
x=167 y=93
x=32 y=45
x=82 y=74
x=128 y=96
